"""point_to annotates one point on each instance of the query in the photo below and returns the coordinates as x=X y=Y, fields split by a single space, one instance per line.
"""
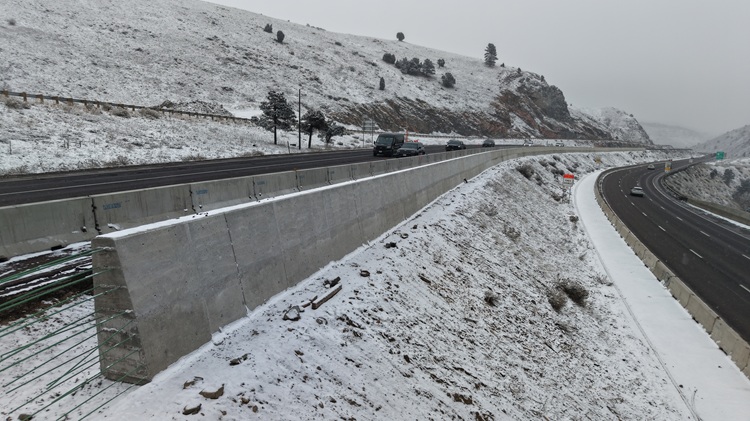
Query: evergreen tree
x=428 y=69
x=400 y=36
x=382 y=84
x=448 y=80
x=311 y=121
x=280 y=37
x=441 y=62
x=332 y=130
x=277 y=114
x=268 y=28
x=490 y=55
x=389 y=58
x=414 y=68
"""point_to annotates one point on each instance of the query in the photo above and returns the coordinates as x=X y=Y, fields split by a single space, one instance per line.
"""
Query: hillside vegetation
x=148 y=52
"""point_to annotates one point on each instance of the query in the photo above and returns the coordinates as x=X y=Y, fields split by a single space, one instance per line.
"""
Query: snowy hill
x=735 y=144
x=676 y=136
x=147 y=52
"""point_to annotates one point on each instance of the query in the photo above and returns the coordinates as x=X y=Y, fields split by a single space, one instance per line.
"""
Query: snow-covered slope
x=147 y=52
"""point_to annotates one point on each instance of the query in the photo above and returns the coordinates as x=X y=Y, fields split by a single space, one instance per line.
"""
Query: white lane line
x=693 y=251
x=746 y=256
x=678 y=218
x=644 y=214
x=704 y=233
x=744 y=287
x=660 y=227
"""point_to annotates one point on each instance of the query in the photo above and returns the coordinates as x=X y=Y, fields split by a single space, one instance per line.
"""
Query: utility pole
x=299 y=120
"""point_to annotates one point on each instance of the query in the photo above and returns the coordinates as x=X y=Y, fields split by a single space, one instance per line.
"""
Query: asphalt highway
x=44 y=187
x=709 y=254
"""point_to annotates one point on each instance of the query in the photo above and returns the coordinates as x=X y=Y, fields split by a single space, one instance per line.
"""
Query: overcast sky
x=681 y=62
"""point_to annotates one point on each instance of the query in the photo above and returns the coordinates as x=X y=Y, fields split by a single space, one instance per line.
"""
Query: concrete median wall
x=209 y=195
x=35 y=227
x=725 y=337
x=117 y=211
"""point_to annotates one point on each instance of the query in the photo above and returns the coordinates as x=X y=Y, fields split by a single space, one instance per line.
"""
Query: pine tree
x=441 y=62
x=400 y=36
x=382 y=84
x=333 y=130
x=389 y=58
x=490 y=55
x=311 y=121
x=448 y=80
x=268 y=28
x=280 y=37
x=277 y=114
x=428 y=69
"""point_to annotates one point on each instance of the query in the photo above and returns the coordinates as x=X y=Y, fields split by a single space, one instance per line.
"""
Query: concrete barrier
x=277 y=184
x=209 y=195
x=378 y=167
x=312 y=178
x=701 y=313
x=202 y=292
x=35 y=227
x=117 y=211
x=339 y=174
x=234 y=260
x=731 y=343
x=361 y=170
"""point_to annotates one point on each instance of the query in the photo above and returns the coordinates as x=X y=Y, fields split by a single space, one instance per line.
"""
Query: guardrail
x=88 y=102
x=724 y=336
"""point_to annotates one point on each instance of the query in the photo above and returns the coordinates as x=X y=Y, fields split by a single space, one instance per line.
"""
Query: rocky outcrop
x=526 y=107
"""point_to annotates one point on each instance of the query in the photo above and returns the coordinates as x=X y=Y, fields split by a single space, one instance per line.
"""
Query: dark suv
x=411 y=149
x=387 y=144
x=454 y=145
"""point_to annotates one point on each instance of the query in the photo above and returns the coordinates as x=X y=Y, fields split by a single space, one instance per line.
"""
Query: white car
x=636 y=191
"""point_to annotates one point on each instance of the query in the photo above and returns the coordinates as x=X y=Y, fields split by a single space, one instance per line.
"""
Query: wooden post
x=40 y=97
x=23 y=94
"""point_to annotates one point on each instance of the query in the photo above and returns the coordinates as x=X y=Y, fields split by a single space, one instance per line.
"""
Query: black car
x=387 y=144
x=411 y=149
x=488 y=143
x=454 y=145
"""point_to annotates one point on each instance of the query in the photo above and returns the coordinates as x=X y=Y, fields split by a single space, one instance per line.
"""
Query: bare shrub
x=574 y=290
x=556 y=196
x=11 y=22
x=16 y=104
x=573 y=218
x=106 y=107
x=603 y=279
x=150 y=113
x=488 y=209
x=491 y=298
x=526 y=170
x=511 y=232
x=120 y=161
x=193 y=157
x=557 y=299
x=120 y=112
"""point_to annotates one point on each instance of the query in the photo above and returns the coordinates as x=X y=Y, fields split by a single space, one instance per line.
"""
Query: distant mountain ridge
x=676 y=136
x=197 y=51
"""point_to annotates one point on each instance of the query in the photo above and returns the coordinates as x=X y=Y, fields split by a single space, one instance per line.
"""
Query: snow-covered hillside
x=148 y=52
x=734 y=144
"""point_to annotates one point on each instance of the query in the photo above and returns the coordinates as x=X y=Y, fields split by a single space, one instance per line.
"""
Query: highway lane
x=708 y=253
x=44 y=187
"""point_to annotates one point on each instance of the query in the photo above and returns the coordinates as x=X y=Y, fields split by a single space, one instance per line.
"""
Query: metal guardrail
x=70 y=101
